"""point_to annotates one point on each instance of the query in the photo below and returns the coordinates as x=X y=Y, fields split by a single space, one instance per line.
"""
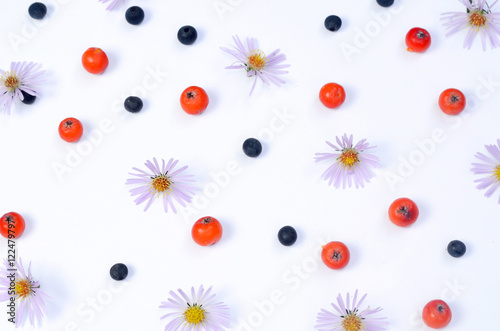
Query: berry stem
x=207 y=220
x=404 y=210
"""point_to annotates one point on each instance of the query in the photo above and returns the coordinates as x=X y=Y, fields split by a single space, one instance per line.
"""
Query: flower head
x=22 y=77
x=490 y=168
x=350 y=318
x=164 y=182
x=479 y=19
x=113 y=3
x=256 y=63
x=28 y=297
x=198 y=312
x=350 y=164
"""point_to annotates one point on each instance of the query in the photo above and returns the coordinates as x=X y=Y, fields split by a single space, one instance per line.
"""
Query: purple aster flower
x=22 y=77
x=349 y=318
x=478 y=18
x=113 y=3
x=164 y=182
x=198 y=312
x=29 y=299
x=350 y=165
x=256 y=63
x=490 y=168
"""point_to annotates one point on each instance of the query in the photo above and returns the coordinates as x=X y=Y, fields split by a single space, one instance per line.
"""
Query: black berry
x=187 y=35
x=119 y=271
x=385 y=3
x=333 y=23
x=287 y=235
x=134 y=15
x=37 y=10
x=133 y=104
x=252 y=147
x=456 y=248
x=28 y=98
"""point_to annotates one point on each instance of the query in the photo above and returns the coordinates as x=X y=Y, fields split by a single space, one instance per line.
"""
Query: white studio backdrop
x=82 y=221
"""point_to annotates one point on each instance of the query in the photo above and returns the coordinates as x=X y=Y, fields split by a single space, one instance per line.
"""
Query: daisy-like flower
x=112 y=3
x=22 y=77
x=198 y=312
x=165 y=182
x=349 y=318
x=351 y=163
x=256 y=63
x=490 y=168
x=29 y=299
x=479 y=19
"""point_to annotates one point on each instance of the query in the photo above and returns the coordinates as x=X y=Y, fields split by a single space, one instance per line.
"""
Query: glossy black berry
x=333 y=23
x=287 y=235
x=119 y=271
x=28 y=98
x=456 y=248
x=37 y=10
x=187 y=35
x=134 y=15
x=252 y=147
x=133 y=104
x=385 y=3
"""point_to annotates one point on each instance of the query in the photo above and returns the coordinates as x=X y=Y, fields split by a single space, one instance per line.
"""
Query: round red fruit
x=335 y=255
x=418 y=40
x=70 y=130
x=12 y=225
x=332 y=95
x=206 y=231
x=403 y=212
x=94 y=60
x=436 y=314
x=452 y=101
x=194 y=100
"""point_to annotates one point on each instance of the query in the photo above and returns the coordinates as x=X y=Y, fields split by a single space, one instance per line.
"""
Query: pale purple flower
x=256 y=63
x=164 y=182
x=350 y=318
x=29 y=299
x=490 y=168
x=112 y=3
x=200 y=311
x=22 y=77
x=479 y=19
x=350 y=163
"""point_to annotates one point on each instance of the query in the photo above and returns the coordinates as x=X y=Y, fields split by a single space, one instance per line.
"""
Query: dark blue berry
x=287 y=235
x=385 y=3
x=37 y=10
x=252 y=147
x=456 y=248
x=333 y=23
x=134 y=15
x=119 y=271
x=187 y=35
x=28 y=98
x=133 y=104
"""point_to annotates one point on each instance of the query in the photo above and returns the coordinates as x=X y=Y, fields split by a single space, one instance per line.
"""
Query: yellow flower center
x=11 y=81
x=477 y=20
x=194 y=315
x=352 y=322
x=160 y=184
x=257 y=60
x=349 y=158
x=496 y=173
x=23 y=288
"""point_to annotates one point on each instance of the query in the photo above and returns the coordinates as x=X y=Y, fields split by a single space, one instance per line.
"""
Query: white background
x=80 y=223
